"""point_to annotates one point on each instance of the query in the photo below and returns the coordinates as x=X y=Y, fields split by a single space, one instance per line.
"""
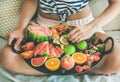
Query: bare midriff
x=79 y=15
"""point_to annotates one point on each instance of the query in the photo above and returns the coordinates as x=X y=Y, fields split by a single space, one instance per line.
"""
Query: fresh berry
x=96 y=58
x=90 y=59
x=96 y=54
x=78 y=68
x=86 y=67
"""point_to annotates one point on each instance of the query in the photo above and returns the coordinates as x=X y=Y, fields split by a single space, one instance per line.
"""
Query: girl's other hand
x=17 y=34
x=81 y=33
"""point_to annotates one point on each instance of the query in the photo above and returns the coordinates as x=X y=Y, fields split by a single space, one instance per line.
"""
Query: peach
x=28 y=46
x=67 y=62
x=78 y=68
x=27 y=54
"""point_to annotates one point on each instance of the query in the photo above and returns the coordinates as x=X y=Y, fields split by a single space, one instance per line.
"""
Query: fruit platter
x=50 y=51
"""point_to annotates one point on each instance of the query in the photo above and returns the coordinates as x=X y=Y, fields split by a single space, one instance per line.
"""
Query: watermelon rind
x=40 y=63
x=37 y=37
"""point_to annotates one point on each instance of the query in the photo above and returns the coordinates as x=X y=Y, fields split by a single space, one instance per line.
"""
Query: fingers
x=72 y=32
x=78 y=38
x=17 y=43
x=10 y=39
x=75 y=35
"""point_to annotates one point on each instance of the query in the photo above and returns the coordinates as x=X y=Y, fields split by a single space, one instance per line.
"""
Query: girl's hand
x=17 y=34
x=81 y=33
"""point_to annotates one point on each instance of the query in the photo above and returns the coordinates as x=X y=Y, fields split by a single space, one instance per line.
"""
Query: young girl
x=72 y=12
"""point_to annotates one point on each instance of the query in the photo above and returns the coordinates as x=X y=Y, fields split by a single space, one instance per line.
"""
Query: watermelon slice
x=39 y=48
x=38 y=34
x=44 y=47
x=51 y=51
x=59 y=50
x=36 y=62
x=55 y=52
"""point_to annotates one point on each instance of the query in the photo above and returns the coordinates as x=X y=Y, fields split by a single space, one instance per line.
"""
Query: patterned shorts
x=78 y=22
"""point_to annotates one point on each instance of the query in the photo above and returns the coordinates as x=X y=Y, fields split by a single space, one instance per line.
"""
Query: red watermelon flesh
x=51 y=51
x=40 y=30
x=36 y=62
x=57 y=53
x=59 y=50
x=39 y=48
x=45 y=49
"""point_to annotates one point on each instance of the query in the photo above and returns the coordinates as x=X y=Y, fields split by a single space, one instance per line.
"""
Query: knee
x=7 y=59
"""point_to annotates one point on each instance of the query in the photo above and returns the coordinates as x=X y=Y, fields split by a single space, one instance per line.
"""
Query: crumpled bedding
x=70 y=78
x=6 y=76
x=55 y=78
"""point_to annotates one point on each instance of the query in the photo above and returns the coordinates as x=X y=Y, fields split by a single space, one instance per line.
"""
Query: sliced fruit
x=58 y=54
x=52 y=64
x=67 y=62
x=57 y=30
x=41 y=48
x=55 y=51
x=78 y=68
x=51 y=51
x=63 y=40
x=82 y=45
x=59 y=50
x=28 y=46
x=38 y=34
x=79 y=58
x=61 y=28
x=56 y=40
x=36 y=62
x=45 y=49
x=45 y=54
x=27 y=54
x=69 y=49
x=62 y=46
x=54 y=33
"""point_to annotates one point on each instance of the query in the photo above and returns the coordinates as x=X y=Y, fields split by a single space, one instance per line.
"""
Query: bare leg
x=110 y=63
x=14 y=63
